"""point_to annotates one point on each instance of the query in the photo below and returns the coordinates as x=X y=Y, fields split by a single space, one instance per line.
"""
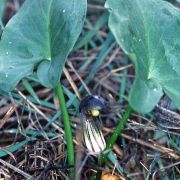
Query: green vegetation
x=124 y=51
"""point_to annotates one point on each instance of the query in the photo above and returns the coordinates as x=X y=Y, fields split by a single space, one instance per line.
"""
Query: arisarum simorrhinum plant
x=148 y=31
x=38 y=40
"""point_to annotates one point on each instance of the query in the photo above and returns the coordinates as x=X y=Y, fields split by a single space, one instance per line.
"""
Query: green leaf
x=31 y=91
x=39 y=38
x=2 y=6
x=148 y=31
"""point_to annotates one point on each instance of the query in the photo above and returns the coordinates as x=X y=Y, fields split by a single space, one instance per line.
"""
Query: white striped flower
x=89 y=109
x=93 y=137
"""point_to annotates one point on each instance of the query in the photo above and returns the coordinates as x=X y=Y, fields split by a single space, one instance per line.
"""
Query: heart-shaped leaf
x=148 y=31
x=39 y=38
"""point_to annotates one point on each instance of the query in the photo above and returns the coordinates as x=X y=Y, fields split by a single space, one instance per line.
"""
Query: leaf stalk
x=67 y=126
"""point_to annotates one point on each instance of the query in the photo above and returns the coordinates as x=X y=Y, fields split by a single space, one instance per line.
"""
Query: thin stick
x=7 y=115
x=83 y=83
x=27 y=176
x=39 y=111
x=73 y=85
x=154 y=146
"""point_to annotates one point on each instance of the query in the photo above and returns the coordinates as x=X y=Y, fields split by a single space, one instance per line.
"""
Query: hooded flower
x=90 y=108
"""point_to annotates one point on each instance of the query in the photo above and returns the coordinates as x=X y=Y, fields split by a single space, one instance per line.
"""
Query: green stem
x=119 y=128
x=67 y=127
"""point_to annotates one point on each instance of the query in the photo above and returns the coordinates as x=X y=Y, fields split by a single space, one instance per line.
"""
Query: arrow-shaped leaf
x=149 y=32
x=39 y=38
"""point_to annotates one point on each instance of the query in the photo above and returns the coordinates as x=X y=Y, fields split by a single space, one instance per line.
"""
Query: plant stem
x=67 y=126
x=119 y=128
